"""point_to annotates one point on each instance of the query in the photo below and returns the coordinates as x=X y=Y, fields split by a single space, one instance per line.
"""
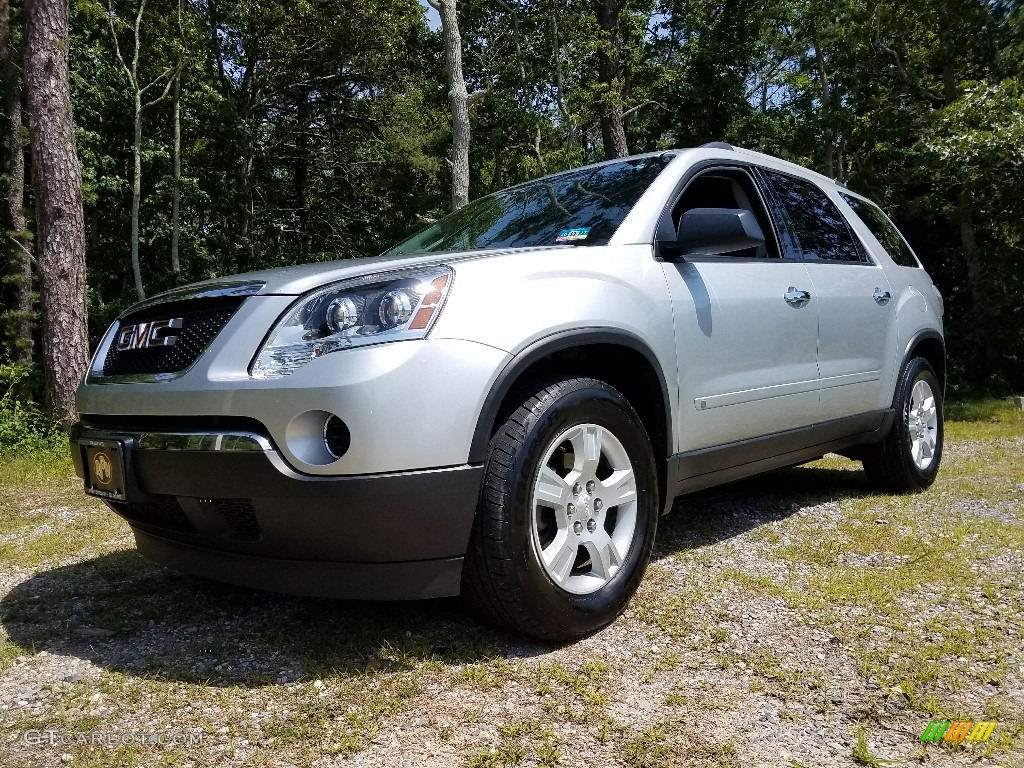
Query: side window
x=884 y=230
x=817 y=227
x=729 y=188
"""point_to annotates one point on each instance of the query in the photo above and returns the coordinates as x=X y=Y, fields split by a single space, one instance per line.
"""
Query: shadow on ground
x=705 y=518
x=123 y=613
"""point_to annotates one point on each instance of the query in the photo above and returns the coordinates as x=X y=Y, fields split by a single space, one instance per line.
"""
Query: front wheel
x=908 y=459
x=567 y=514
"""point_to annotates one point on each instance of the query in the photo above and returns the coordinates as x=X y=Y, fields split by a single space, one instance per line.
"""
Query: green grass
x=31 y=486
x=520 y=741
x=893 y=560
x=861 y=752
x=896 y=558
x=36 y=468
x=675 y=742
x=9 y=652
x=486 y=676
x=647 y=749
x=984 y=419
x=916 y=590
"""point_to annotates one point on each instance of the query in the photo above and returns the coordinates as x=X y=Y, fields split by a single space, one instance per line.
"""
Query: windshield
x=581 y=207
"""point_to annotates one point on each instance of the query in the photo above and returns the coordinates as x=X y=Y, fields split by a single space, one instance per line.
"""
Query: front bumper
x=234 y=511
x=408 y=405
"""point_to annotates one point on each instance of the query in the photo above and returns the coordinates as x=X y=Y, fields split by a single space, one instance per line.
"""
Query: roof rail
x=716 y=145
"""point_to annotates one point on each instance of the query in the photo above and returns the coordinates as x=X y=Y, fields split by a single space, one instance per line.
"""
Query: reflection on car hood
x=296 y=280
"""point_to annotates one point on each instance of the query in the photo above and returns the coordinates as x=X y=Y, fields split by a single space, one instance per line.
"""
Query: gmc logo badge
x=146 y=335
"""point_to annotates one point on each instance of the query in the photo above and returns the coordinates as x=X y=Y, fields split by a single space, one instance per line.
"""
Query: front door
x=747 y=362
x=746 y=336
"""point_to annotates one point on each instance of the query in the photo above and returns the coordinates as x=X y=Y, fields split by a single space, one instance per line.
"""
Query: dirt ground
x=798 y=619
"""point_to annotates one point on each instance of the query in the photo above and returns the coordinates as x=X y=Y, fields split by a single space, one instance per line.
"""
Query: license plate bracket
x=105 y=468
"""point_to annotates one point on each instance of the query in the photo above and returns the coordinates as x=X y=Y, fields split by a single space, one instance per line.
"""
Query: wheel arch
x=617 y=357
x=930 y=345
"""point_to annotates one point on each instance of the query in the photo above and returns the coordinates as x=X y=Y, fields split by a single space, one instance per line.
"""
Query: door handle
x=795 y=297
x=880 y=296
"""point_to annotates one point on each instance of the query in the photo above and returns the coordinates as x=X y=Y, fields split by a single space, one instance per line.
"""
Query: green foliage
x=316 y=131
x=972 y=156
x=23 y=425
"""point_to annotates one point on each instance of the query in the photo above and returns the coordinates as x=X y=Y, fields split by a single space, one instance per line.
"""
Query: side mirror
x=713 y=231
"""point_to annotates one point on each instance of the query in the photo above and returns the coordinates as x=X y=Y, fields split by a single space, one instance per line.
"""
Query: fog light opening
x=336 y=437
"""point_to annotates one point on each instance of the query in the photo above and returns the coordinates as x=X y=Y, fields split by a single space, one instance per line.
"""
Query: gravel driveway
x=793 y=620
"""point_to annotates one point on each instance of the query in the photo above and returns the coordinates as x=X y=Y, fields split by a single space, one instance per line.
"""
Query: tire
x=548 y=557
x=908 y=459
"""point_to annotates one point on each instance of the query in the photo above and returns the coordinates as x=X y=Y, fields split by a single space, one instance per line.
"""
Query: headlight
x=369 y=310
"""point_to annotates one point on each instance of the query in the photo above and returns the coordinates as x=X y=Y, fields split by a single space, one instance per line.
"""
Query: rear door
x=856 y=313
x=747 y=355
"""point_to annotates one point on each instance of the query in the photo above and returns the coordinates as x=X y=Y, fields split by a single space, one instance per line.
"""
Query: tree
x=312 y=131
x=459 y=99
x=19 y=237
x=176 y=161
x=57 y=180
x=176 y=193
x=609 y=73
x=168 y=77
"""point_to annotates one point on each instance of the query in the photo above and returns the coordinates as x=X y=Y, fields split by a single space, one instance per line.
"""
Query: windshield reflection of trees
x=534 y=214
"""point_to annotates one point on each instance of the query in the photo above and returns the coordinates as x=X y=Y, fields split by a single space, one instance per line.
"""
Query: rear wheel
x=567 y=515
x=908 y=459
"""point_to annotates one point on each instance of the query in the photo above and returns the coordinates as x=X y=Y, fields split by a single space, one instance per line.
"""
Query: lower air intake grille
x=240 y=515
x=166 y=513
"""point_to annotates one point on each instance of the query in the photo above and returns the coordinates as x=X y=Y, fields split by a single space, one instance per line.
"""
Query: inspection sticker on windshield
x=568 y=235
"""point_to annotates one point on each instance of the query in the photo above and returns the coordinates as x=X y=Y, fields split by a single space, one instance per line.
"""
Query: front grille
x=165 y=513
x=202 y=320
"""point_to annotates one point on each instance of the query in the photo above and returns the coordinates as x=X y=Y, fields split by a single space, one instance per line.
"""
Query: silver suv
x=505 y=403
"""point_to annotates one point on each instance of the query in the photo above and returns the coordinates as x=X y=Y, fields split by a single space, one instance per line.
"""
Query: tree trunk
x=247 y=164
x=301 y=174
x=497 y=181
x=138 y=90
x=518 y=40
x=536 y=151
x=556 y=55
x=137 y=195
x=826 y=110
x=613 y=129
x=11 y=77
x=965 y=220
x=57 y=179
x=176 y=190
x=458 y=100
x=245 y=170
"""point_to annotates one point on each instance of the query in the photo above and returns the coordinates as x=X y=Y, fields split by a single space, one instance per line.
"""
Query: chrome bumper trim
x=179 y=441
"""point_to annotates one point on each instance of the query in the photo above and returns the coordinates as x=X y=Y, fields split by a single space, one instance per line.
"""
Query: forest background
x=216 y=137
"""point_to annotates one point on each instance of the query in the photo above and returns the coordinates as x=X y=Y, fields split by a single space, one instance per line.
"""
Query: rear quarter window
x=820 y=231
x=884 y=230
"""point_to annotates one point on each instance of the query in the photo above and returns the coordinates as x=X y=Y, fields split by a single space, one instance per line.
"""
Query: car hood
x=301 y=278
